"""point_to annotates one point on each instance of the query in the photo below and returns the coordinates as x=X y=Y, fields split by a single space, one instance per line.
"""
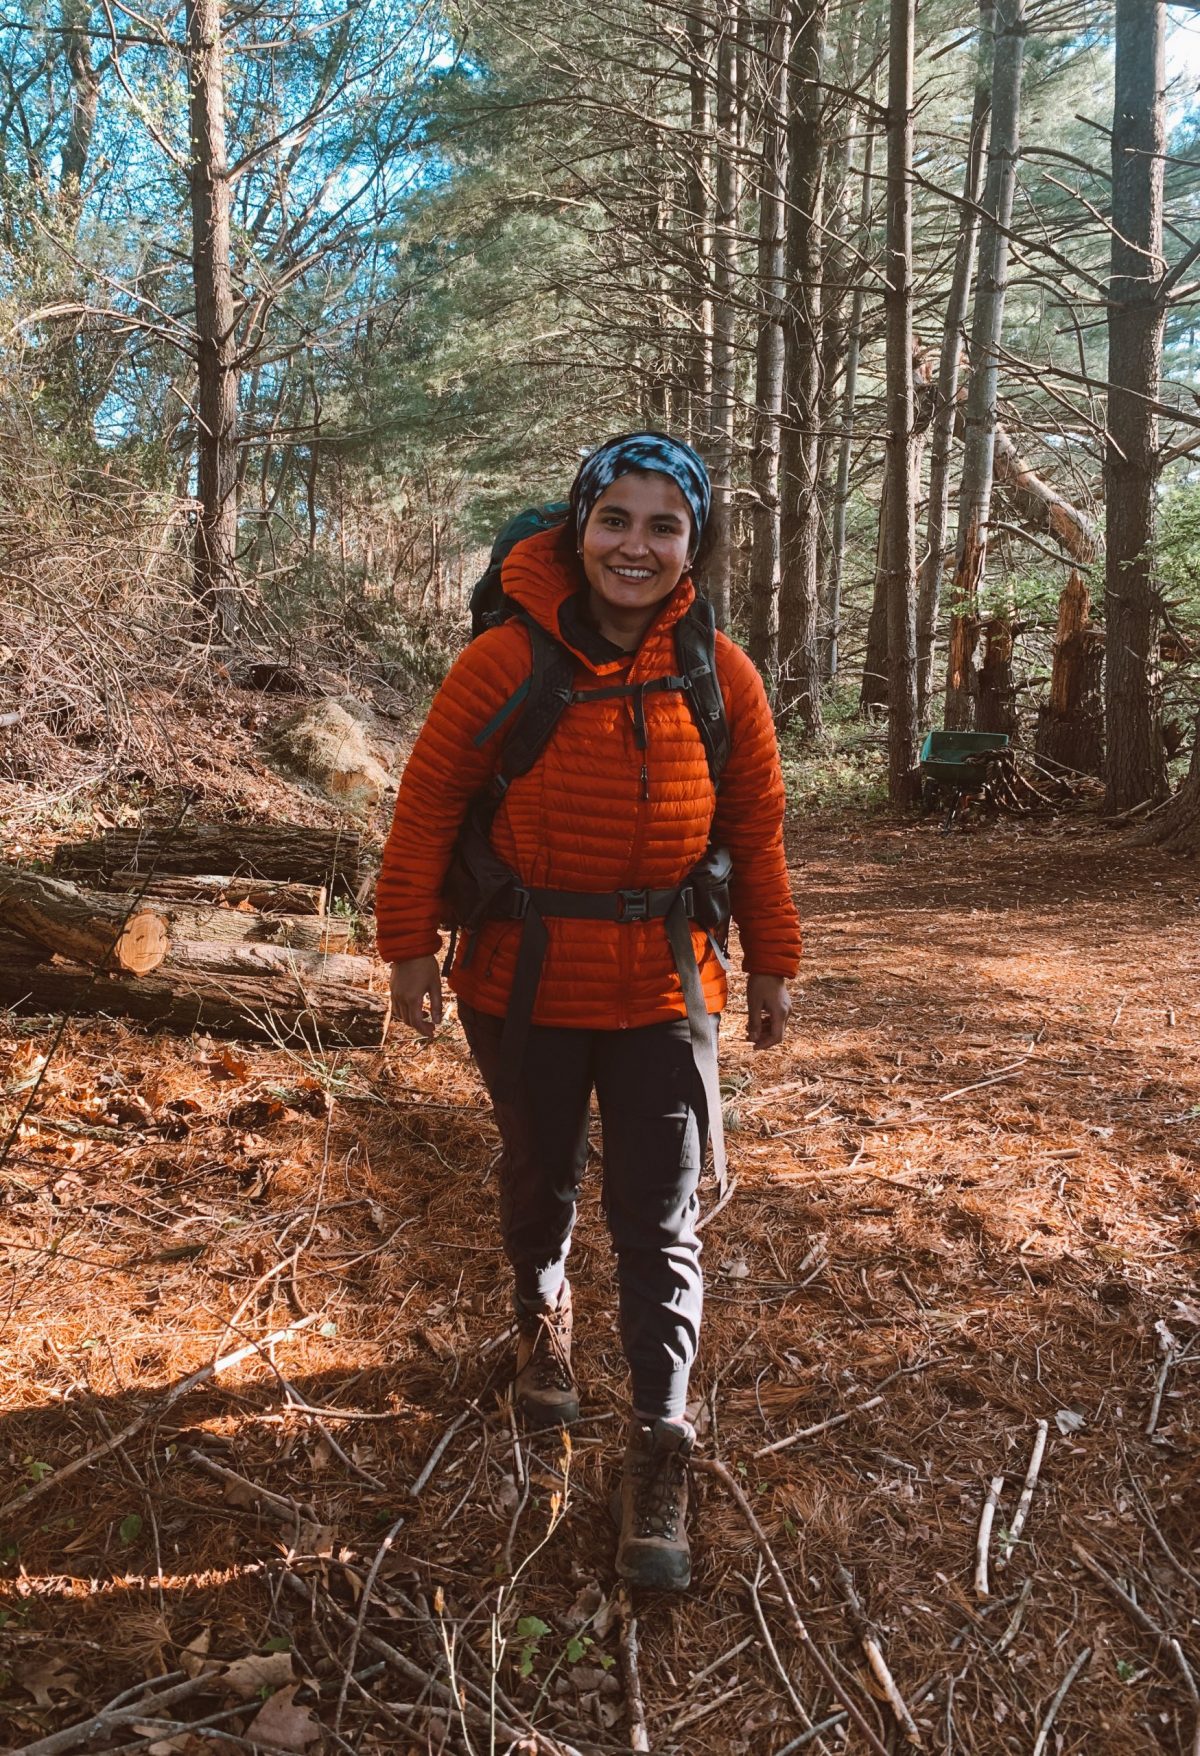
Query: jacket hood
x=536 y=575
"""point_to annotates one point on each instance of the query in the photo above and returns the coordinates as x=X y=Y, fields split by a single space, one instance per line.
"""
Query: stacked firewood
x=218 y=926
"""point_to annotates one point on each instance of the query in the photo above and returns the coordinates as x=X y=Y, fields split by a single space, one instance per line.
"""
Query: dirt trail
x=977 y=1163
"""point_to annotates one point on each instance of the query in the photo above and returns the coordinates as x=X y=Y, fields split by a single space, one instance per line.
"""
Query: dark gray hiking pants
x=654 y=1122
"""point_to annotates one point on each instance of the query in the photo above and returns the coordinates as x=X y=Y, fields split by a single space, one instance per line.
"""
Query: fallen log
x=273 y=898
x=296 y=852
x=234 y=926
x=274 y=1010
x=305 y=970
x=104 y=932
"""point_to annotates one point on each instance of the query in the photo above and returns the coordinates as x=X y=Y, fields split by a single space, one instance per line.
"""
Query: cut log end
x=143 y=944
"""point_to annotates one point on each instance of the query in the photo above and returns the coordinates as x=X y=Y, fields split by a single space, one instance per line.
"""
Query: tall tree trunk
x=987 y=327
x=1136 y=762
x=901 y=535
x=85 y=100
x=946 y=405
x=769 y=361
x=724 y=356
x=799 y=651
x=841 y=497
x=836 y=275
x=215 y=567
x=874 y=689
x=699 y=229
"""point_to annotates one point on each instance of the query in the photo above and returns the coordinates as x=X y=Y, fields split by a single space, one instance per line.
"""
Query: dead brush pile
x=259 y=1484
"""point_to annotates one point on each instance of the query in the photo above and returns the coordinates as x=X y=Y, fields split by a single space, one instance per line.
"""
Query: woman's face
x=637 y=541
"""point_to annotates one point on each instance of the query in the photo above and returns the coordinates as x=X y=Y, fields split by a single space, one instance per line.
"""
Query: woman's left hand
x=767 y=1006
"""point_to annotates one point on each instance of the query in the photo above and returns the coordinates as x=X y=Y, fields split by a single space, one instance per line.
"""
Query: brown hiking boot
x=652 y=1549
x=545 y=1390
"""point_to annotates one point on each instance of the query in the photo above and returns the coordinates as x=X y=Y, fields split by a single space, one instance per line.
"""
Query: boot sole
x=539 y=1418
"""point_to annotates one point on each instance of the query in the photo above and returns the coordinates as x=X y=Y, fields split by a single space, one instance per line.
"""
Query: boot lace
x=550 y=1364
x=656 y=1501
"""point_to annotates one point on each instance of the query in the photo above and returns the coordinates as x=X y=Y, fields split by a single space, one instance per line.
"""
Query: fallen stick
x=639 y=1738
x=435 y=1456
x=723 y=1202
x=360 y=1621
x=1014 y=1621
x=181 y=1390
x=798 y=1707
x=283 y=1508
x=984 y=1538
x=875 y=1659
x=848 y=1414
x=1169 y=1349
x=477 y=1716
x=110 y=1719
x=714 y=1467
x=1009 y=1542
x=1133 y=1609
x=1060 y=1696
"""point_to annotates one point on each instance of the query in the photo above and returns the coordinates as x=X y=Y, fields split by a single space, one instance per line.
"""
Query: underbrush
x=847 y=768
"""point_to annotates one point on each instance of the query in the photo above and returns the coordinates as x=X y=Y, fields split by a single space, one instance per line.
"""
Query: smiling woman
x=593 y=879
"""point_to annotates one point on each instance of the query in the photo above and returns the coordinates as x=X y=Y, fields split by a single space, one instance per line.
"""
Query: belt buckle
x=520 y=903
x=635 y=905
x=687 y=897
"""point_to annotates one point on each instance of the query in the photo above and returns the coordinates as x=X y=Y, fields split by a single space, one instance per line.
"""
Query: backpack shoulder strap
x=548 y=695
x=696 y=653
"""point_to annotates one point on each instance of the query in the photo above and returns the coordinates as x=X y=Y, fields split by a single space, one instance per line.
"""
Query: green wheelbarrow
x=955 y=768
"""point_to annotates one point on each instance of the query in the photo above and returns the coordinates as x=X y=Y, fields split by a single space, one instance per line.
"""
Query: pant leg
x=655 y=1124
x=544 y=1140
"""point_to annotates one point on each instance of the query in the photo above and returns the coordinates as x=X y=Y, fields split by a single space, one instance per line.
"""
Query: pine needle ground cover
x=964 y=1239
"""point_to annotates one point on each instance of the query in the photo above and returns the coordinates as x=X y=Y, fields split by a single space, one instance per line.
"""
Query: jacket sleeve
x=749 y=822
x=449 y=764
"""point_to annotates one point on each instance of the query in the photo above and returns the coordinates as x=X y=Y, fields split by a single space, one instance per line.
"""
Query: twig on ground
x=996 y=1078
x=1014 y=1621
x=160 y=1408
x=1133 y=1609
x=1009 y=1540
x=802 y=1742
x=714 y=1467
x=436 y=1455
x=798 y=1707
x=360 y=1621
x=289 y=1510
x=984 y=1538
x=874 y=1656
x=712 y=1213
x=447 y=1697
x=1059 y=1697
x=848 y=1414
x=1170 y=1351
x=110 y=1719
x=639 y=1738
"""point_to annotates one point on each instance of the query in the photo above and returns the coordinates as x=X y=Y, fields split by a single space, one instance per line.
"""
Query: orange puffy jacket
x=594 y=813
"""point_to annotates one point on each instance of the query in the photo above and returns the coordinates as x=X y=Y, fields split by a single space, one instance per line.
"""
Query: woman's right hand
x=413 y=983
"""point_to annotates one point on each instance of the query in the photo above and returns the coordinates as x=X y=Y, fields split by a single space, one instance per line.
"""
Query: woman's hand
x=413 y=982
x=767 y=1006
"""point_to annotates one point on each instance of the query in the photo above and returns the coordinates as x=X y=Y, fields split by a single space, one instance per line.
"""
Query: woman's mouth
x=635 y=575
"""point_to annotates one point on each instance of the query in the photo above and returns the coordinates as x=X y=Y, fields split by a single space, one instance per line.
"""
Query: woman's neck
x=625 y=628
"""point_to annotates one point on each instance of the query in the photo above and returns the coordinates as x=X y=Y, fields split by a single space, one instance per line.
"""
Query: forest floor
x=967 y=1202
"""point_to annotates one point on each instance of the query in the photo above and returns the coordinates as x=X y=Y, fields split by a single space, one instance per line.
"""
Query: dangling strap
x=703 y=1032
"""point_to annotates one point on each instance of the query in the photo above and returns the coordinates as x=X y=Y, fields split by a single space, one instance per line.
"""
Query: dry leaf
x=42 y=1677
x=193 y=1658
x=258 y=1670
x=1068 y=1420
x=735 y=1270
x=280 y=1722
x=586 y=1605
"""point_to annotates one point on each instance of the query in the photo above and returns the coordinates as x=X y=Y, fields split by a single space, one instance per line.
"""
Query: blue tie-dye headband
x=631 y=452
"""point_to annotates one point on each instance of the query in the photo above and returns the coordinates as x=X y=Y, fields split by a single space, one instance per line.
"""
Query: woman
x=601 y=838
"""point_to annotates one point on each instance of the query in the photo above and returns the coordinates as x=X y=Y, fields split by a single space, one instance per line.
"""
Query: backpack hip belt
x=702 y=896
